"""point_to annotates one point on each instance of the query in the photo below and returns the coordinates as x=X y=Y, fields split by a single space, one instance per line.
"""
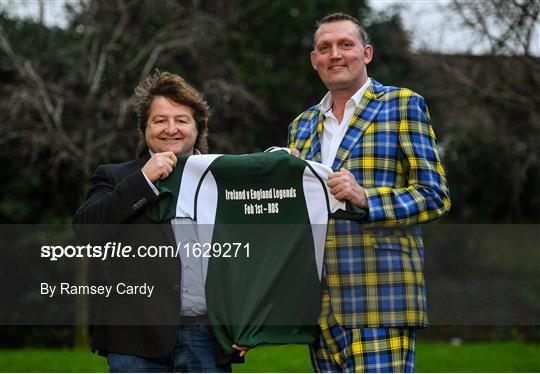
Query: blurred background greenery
x=65 y=91
x=493 y=357
x=65 y=106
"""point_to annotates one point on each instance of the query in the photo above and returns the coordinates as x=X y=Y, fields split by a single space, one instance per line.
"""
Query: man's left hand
x=344 y=186
x=243 y=350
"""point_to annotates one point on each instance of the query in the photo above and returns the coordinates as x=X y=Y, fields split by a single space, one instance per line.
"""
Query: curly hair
x=175 y=88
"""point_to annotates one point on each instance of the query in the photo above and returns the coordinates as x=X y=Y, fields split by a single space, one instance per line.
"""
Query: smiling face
x=171 y=127
x=340 y=57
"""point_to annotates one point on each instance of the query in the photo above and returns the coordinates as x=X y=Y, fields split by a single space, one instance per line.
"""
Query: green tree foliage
x=69 y=90
x=487 y=113
x=66 y=92
x=271 y=41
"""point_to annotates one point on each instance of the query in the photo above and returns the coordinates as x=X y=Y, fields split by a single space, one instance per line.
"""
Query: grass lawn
x=431 y=357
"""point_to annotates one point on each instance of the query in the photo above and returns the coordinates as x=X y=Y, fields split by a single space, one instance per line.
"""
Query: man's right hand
x=159 y=166
x=295 y=152
x=242 y=351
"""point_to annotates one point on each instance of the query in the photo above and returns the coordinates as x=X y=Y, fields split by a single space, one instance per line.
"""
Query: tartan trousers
x=364 y=350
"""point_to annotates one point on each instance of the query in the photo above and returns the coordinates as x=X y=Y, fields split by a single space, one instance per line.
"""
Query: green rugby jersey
x=262 y=220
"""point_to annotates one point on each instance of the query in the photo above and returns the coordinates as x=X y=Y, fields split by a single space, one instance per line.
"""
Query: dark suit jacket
x=115 y=211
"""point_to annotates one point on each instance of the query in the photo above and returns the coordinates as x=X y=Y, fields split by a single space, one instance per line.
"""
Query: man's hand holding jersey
x=343 y=186
x=159 y=166
x=242 y=350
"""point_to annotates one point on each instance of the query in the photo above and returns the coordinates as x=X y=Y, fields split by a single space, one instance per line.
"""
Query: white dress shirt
x=334 y=131
x=193 y=272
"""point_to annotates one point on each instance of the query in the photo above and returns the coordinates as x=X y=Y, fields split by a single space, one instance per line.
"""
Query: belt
x=194 y=320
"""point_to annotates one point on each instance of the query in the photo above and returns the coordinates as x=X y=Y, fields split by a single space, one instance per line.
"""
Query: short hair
x=335 y=17
x=176 y=89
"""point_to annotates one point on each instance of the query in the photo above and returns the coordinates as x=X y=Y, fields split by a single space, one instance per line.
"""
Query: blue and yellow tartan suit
x=374 y=271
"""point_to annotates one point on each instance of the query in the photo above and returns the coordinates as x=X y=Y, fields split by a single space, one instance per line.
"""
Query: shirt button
x=186 y=290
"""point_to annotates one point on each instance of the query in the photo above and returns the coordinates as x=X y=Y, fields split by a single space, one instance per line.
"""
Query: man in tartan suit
x=380 y=143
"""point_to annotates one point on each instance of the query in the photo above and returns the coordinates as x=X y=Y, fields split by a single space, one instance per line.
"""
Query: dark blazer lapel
x=165 y=226
x=363 y=116
x=143 y=160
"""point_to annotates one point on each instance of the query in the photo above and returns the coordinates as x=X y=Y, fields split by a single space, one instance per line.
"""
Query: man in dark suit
x=169 y=330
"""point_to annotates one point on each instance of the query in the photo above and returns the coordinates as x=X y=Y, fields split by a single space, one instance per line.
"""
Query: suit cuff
x=376 y=204
x=152 y=186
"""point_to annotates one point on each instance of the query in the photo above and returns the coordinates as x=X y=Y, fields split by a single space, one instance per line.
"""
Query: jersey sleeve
x=177 y=192
x=194 y=171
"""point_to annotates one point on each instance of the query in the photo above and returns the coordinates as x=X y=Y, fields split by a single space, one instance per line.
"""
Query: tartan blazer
x=374 y=271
